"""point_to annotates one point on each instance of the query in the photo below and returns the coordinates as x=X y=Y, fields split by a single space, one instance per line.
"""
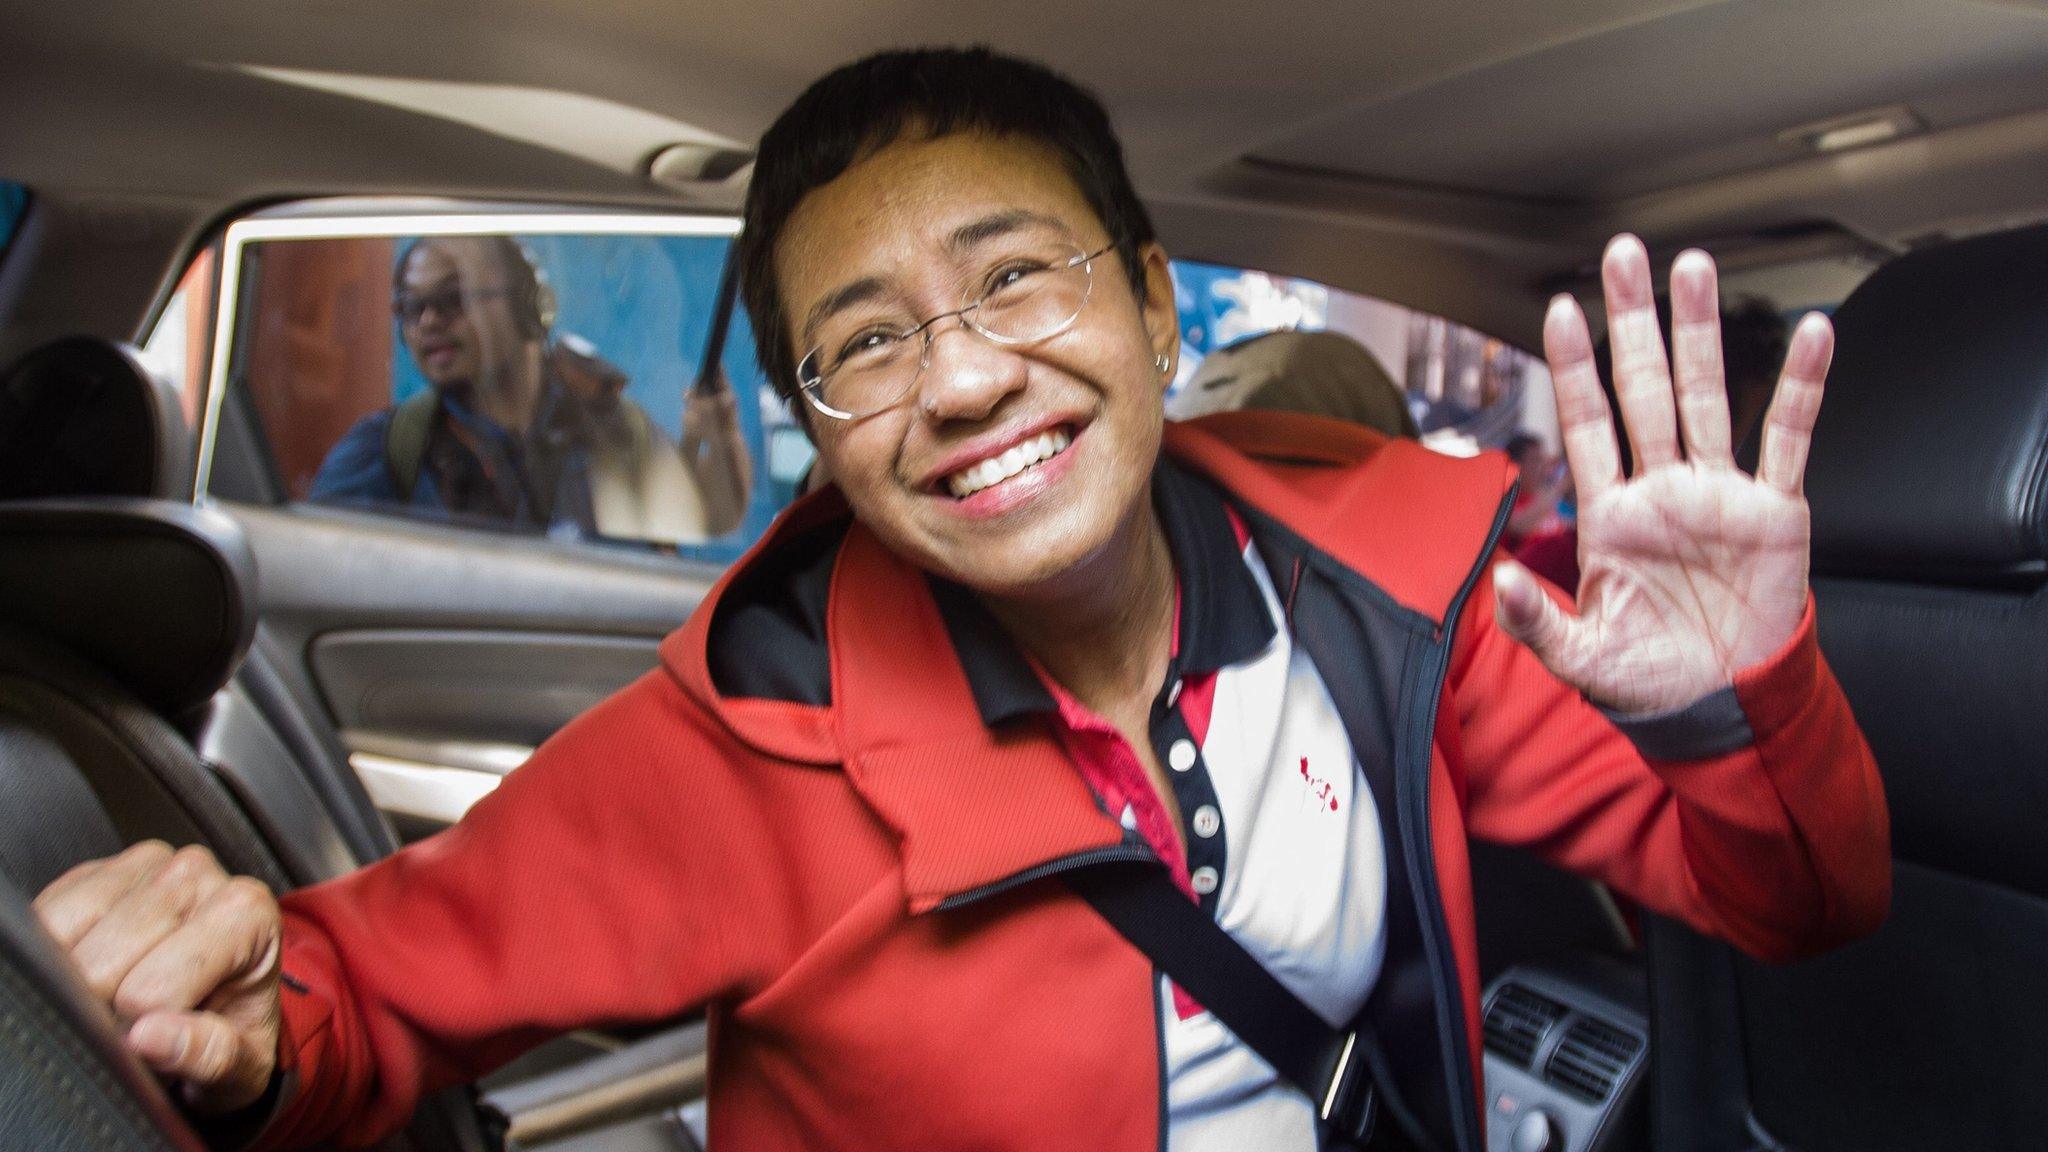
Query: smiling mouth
x=1004 y=465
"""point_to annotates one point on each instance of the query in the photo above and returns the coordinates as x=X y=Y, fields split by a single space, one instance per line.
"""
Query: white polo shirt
x=1303 y=887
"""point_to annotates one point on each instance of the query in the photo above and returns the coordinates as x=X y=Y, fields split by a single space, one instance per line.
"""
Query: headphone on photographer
x=533 y=299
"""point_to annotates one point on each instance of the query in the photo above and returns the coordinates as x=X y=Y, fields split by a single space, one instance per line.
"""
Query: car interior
x=203 y=210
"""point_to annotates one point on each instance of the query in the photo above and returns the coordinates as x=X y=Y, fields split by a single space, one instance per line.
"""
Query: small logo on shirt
x=1323 y=789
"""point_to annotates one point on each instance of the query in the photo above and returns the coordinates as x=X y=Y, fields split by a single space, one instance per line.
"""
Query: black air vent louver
x=1591 y=1058
x=1516 y=1022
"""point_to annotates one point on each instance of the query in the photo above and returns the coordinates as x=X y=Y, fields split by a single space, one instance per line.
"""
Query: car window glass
x=1465 y=391
x=545 y=383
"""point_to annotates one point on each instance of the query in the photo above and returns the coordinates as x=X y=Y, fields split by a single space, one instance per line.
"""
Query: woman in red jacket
x=1034 y=631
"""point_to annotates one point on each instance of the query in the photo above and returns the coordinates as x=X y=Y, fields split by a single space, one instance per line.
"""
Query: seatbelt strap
x=1140 y=901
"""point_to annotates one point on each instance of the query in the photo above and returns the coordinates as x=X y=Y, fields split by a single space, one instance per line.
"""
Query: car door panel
x=478 y=685
x=434 y=718
x=442 y=657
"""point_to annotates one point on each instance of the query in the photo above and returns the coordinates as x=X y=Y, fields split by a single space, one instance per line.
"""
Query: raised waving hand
x=1692 y=570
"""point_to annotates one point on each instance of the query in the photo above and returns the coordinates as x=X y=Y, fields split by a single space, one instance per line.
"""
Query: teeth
x=996 y=469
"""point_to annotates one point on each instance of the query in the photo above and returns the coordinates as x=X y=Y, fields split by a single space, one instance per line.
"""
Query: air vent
x=1516 y=1022
x=1591 y=1059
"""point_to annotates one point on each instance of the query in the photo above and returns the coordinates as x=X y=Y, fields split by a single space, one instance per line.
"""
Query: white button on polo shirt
x=1303 y=886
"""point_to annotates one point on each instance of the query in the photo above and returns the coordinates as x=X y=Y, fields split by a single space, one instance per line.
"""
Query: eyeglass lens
x=412 y=307
x=863 y=367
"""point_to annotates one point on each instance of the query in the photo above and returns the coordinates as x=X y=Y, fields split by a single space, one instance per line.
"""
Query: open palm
x=1693 y=569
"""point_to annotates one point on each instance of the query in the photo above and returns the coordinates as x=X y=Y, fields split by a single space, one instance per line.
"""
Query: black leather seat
x=125 y=627
x=116 y=618
x=82 y=416
x=82 y=419
x=1929 y=487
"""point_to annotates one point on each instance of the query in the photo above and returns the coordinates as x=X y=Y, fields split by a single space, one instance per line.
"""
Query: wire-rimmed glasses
x=862 y=365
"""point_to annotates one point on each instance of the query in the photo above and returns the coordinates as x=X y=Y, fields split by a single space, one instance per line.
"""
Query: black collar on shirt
x=1223 y=617
x=768 y=639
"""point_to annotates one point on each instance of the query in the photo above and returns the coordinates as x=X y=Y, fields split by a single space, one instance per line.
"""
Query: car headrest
x=1930 y=457
x=159 y=595
x=82 y=416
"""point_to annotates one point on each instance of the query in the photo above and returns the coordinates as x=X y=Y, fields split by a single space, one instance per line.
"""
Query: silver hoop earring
x=1163 y=363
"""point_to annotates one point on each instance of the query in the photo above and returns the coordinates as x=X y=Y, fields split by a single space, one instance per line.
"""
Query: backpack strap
x=405 y=439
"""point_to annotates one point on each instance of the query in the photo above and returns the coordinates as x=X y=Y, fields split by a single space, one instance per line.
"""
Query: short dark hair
x=866 y=105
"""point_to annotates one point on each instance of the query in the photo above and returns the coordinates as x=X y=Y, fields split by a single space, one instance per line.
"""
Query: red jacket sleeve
x=528 y=918
x=1777 y=840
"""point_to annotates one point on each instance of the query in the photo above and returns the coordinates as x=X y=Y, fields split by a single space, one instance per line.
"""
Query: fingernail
x=1528 y=603
x=1503 y=583
x=148 y=1041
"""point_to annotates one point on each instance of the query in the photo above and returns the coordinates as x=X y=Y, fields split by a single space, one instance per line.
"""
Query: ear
x=1161 y=312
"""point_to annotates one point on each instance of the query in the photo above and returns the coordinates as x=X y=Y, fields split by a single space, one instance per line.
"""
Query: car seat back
x=1929 y=487
x=83 y=419
x=115 y=617
x=125 y=625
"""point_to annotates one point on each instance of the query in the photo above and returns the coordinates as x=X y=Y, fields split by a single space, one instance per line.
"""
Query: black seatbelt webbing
x=1142 y=904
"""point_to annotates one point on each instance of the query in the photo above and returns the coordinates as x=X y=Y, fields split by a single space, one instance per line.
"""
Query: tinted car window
x=551 y=383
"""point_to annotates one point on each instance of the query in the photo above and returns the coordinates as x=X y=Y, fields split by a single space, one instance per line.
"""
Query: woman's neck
x=1105 y=632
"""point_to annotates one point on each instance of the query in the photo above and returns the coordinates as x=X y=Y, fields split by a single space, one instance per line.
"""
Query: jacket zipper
x=1113 y=854
x=1422 y=862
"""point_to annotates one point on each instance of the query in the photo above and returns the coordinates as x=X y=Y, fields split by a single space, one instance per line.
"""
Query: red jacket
x=853 y=892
